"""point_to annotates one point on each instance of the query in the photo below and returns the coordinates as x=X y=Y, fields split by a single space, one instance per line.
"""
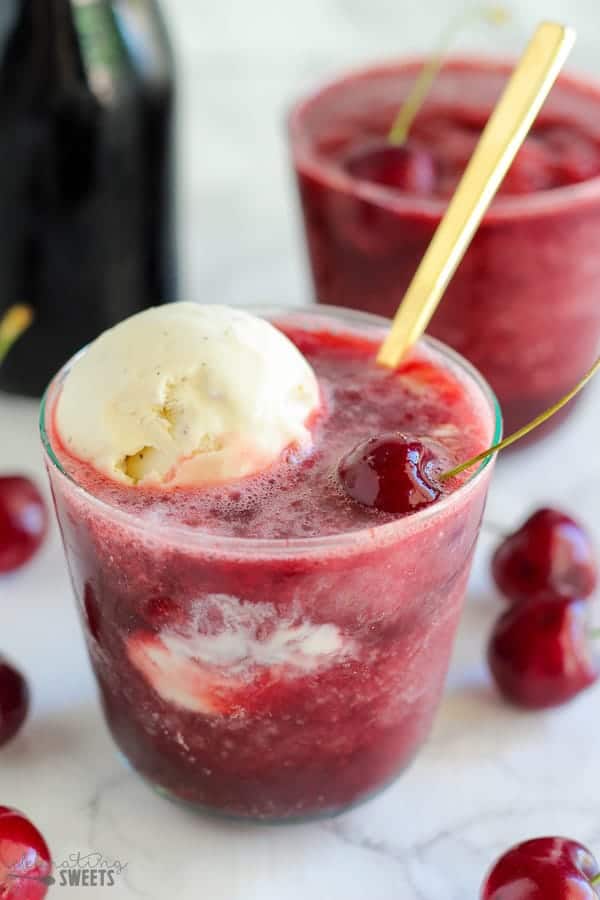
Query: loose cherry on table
x=23 y=521
x=390 y=472
x=548 y=868
x=14 y=702
x=403 y=167
x=539 y=652
x=549 y=555
x=25 y=862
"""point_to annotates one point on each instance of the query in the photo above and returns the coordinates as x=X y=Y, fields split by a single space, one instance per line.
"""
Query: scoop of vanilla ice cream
x=187 y=394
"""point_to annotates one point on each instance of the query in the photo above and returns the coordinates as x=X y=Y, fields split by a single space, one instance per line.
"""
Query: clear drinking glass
x=376 y=611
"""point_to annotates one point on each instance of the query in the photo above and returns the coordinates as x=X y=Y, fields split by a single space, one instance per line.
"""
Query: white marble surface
x=489 y=776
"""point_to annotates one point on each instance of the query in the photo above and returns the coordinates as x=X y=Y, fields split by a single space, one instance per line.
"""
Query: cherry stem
x=595 y=880
x=398 y=134
x=594 y=635
x=517 y=435
x=15 y=321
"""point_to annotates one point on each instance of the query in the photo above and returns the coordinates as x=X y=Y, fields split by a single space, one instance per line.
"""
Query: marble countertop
x=489 y=776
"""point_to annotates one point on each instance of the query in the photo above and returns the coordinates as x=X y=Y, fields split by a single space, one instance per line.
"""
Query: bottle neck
x=42 y=52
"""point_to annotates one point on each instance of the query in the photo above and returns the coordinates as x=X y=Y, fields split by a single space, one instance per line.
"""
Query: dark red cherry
x=549 y=555
x=548 y=868
x=25 y=862
x=14 y=702
x=539 y=652
x=404 y=168
x=23 y=521
x=391 y=472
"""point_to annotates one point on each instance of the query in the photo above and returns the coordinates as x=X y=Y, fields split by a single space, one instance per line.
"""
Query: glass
x=341 y=643
x=523 y=305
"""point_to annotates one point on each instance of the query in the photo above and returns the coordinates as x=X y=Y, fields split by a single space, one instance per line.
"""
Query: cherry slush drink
x=268 y=648
x=523 y=306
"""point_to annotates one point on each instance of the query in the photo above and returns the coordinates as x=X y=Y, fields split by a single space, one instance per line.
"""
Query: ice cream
x=208 y=663
x=187 y=394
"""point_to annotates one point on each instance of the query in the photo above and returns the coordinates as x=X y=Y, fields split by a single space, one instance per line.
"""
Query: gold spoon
x=504 y=133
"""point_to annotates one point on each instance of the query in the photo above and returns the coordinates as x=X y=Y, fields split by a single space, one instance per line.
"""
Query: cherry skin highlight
x=24 y=853
x=539 y=653
x=23 y=521
x=403 y=168
x=549 y=555
x=14 y=702
x=390 y=473
x=549 y=868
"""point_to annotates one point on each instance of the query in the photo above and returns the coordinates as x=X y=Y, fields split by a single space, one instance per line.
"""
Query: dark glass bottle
x=86 y=173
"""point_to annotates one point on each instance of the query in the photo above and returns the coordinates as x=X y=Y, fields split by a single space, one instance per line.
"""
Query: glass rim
x=186 y=535
x=518 y=206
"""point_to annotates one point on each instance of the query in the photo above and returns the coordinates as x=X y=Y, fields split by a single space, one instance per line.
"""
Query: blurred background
x=240 y=65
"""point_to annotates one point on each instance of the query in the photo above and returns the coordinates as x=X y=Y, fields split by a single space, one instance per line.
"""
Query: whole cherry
x=14 y=702
x=402 y=167
x=539 y=652
x=23 y=521
x=25 y=862
x=547 y=868
x=549 y=555
x=390 y=472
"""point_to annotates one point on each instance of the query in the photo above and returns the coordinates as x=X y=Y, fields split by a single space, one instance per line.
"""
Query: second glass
x=523 y=306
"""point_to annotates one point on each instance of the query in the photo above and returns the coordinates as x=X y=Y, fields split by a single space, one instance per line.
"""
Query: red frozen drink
x=269 y=646
x=523 y=306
